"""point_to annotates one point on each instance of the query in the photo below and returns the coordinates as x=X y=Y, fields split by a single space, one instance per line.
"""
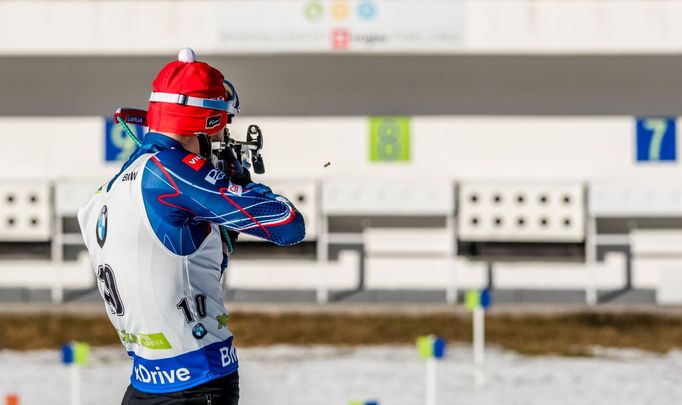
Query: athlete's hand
x=238 y=174
x=245 y=179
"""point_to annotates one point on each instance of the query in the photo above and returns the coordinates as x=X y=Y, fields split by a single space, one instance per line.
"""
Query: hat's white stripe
x=182 y=99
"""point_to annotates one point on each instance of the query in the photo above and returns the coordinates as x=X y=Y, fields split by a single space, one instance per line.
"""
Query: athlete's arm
x=194 y=190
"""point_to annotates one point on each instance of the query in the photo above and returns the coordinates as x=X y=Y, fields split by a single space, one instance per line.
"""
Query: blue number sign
x=656 y=140
x=118 y=146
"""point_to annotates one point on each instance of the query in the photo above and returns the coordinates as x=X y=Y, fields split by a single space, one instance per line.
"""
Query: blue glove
x=233 y=167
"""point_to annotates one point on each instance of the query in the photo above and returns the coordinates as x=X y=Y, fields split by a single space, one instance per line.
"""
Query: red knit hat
x=190 y=97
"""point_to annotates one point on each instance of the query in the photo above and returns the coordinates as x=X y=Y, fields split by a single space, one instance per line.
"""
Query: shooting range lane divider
x=74 y=355
x=431 y=348
x=478 y=301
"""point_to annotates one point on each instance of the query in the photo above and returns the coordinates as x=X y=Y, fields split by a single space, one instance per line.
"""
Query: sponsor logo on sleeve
x=214 y=175
x=235 y=189
x=212 y=121
x=196 y=162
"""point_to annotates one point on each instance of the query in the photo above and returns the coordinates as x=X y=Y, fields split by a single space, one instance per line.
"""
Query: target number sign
x=389 y=139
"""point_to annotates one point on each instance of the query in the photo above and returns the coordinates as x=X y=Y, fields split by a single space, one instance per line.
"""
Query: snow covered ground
x=392 y=375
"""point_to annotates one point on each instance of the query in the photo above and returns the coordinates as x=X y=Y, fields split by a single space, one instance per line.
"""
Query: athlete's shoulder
x=181 y=160
x=181 y=163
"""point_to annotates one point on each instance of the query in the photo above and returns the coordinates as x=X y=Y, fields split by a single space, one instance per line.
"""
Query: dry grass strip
x=570 y=334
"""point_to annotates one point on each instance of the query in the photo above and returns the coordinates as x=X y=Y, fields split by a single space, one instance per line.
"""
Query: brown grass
x=565 y=334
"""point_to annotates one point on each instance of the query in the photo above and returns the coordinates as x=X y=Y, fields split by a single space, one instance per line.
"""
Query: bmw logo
x=199 y=331
x=101 y=230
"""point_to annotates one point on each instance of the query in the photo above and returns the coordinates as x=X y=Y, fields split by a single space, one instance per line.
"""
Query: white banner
x=161 y=27
x=340 y=25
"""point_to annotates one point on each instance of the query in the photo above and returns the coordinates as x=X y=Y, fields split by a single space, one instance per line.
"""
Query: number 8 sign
x=389 y=139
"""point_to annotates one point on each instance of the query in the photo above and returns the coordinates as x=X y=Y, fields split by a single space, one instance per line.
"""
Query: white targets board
x=521 y=212
x=25 y=211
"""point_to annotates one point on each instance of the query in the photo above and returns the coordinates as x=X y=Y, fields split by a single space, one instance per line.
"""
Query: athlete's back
x=153 y=237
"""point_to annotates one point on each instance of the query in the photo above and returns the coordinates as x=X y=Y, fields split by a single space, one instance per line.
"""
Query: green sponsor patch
x=127 y=337
x=148 y=340
x=389 y=139
x=154 y=341
x=222 y=320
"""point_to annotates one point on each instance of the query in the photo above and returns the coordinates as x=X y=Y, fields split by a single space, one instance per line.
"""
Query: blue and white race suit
x=153 y=236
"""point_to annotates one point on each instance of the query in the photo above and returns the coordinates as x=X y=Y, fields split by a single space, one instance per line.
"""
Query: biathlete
x=154 y=236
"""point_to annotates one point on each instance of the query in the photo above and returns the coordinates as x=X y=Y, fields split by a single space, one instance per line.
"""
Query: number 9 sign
x=118 y=146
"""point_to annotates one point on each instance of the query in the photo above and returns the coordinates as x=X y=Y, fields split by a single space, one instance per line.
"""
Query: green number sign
x=389 y=139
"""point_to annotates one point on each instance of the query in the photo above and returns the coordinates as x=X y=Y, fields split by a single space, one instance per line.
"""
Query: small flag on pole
x=478 y=302
x=75 y=353
x=430 y=347
x=478 y=299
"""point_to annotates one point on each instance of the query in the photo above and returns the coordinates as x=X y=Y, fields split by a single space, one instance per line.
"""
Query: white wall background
x=466 y=26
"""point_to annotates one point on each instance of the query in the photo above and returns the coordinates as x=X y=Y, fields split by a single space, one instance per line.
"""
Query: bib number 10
x=199 y=304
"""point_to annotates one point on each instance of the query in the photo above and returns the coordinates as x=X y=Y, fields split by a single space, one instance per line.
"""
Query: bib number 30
x=109 y=290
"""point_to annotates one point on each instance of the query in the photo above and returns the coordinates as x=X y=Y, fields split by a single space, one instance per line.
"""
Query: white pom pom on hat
x=187 y=55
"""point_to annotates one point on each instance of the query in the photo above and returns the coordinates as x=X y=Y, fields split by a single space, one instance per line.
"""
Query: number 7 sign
x=656 y=140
